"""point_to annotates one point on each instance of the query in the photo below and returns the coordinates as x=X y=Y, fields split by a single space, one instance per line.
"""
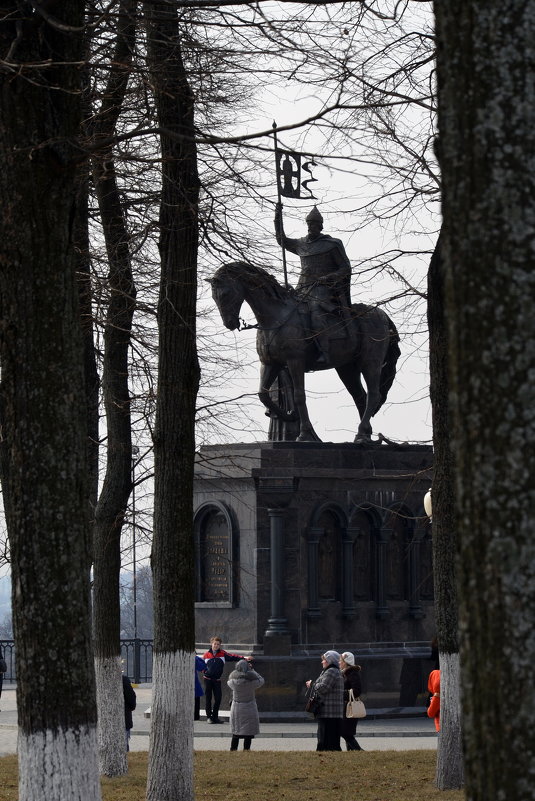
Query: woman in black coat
x=351 y=674
x=129 y=706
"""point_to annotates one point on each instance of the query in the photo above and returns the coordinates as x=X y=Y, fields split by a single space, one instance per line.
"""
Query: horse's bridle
x=243 y=326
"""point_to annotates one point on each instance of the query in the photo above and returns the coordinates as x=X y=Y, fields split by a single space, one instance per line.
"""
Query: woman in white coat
x=243 y=682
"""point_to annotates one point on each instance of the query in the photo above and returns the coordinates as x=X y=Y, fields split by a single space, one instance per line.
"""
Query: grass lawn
x=285 y=776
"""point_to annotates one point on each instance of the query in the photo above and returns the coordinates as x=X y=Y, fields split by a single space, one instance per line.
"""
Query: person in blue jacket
x=199 y=692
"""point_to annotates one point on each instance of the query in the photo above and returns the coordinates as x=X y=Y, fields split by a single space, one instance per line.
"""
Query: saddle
x=337 y=321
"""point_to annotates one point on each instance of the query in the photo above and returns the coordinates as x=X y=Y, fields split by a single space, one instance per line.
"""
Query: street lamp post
x=135 y=452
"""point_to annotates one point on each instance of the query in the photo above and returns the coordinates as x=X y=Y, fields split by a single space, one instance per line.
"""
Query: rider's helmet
x=314 y=216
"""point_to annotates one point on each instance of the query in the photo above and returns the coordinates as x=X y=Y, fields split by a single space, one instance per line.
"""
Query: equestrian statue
x=313 y=327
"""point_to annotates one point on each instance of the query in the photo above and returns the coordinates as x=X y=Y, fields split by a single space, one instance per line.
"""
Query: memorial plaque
x=215 y=557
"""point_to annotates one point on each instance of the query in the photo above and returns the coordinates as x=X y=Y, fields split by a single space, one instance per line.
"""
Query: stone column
x=277 y=636
x=313 y=609
x=382 y=611
x=348 y=602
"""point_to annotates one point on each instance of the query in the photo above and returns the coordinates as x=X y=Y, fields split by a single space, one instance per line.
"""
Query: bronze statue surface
x=325 y=278
x=362 y=343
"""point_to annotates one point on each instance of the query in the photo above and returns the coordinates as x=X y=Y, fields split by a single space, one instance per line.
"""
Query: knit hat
x=332 y=657
x=243 y=672
x=348 y=658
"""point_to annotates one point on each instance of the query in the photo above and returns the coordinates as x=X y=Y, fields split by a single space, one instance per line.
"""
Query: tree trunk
x=449 y=771
x=486 y=68
x=117 y=482
x=43 y=403
x=170 y=773
x=116 y=486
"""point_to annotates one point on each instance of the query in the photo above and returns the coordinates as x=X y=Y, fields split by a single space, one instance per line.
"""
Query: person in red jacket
x=433 y=685
x=215 y=660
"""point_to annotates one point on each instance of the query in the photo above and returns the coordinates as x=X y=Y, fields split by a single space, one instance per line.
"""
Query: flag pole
x=280 y=204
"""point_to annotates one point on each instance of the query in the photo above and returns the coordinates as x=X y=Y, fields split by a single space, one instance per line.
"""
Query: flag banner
x=291 y=167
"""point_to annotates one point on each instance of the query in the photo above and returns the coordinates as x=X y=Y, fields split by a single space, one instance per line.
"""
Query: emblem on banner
x=291 y=168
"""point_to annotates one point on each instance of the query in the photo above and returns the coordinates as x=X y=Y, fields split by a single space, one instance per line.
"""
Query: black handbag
x=313 y=701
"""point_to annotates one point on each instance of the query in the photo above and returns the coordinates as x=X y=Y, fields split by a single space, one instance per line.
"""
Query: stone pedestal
x=302 y=547
x=277 y=644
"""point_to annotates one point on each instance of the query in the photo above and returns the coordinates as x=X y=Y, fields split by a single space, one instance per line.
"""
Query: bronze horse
x=363 y=342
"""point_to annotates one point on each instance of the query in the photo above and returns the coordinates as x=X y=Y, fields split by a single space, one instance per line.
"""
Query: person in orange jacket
x=433 y=685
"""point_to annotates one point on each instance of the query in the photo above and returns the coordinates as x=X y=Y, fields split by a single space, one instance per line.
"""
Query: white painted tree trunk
x=449 y=770
x=59 y=765
x=113 y=759
x=170 y=772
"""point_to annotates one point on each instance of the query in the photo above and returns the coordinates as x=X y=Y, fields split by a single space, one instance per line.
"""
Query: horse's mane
x=254 y=275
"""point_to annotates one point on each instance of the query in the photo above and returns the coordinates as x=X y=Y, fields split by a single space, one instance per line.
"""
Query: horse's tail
x=388 y=369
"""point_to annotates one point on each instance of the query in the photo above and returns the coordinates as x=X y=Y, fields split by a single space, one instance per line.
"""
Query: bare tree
x=116 y=486
x=44 y=468
x=170 y=756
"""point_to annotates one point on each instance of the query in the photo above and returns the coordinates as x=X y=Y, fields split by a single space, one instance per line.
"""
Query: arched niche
x=403 y=563
x=365 y=525
x=328 y=576
x=215 y=548
x=398 y=527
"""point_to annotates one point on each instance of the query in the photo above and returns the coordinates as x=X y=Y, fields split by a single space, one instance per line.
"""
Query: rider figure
x=325 y=278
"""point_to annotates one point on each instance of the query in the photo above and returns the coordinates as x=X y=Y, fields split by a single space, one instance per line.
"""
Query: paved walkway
x=373 y=734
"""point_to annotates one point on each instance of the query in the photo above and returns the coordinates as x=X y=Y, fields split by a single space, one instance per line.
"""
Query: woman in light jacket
x=244 y=722
x=330 y=687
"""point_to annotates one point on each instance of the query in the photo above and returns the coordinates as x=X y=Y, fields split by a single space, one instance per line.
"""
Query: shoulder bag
x=355 y=707
x=313 y=701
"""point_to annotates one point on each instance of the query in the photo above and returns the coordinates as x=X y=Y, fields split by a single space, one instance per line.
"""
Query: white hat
x=348 y=658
